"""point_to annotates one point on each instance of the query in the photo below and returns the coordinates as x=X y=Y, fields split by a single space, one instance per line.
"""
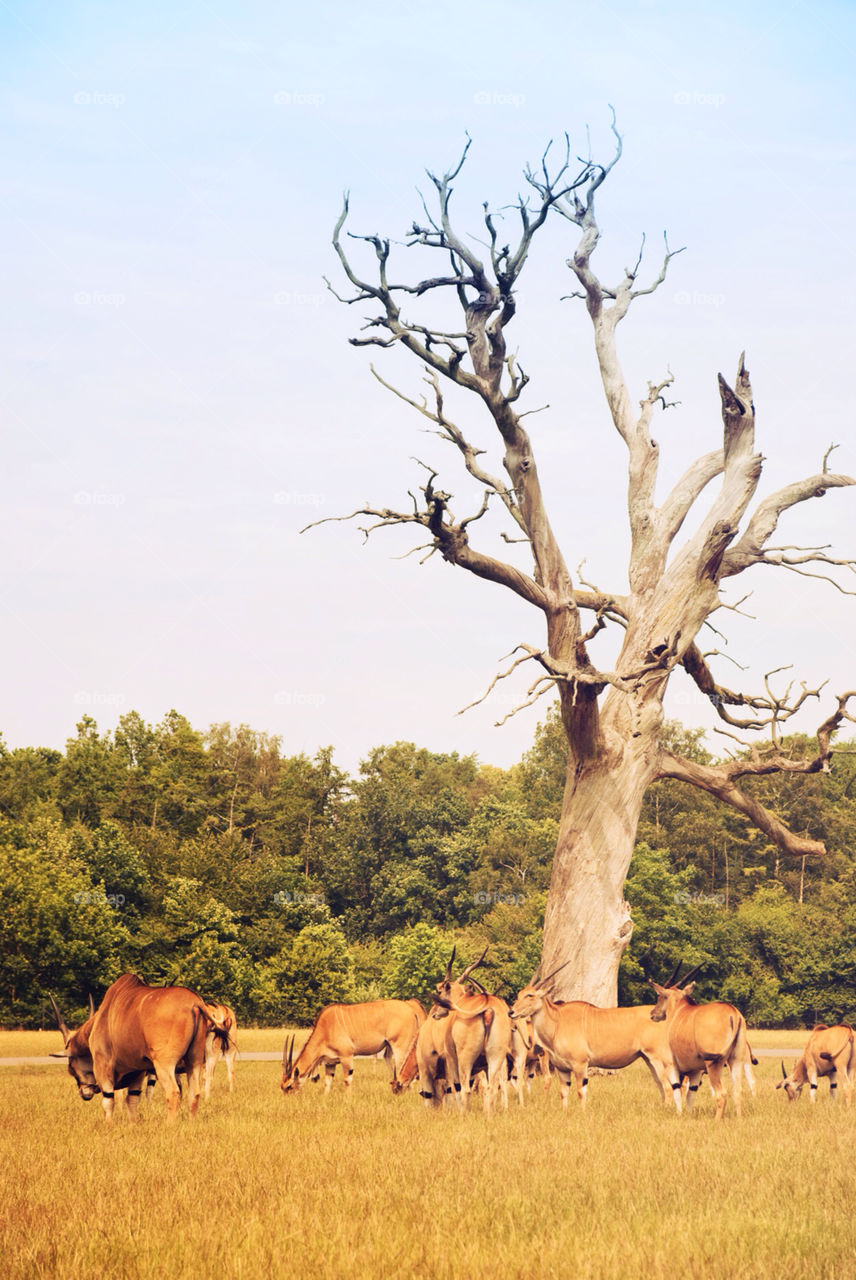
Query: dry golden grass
x=261 y=1185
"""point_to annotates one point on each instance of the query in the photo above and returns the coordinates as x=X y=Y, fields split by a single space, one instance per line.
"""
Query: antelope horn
x=91 y=1006
x=479 y=986
x=287 y=1055
x=784 y=1072
x=475 y=964
x=543 y=981
x=66 y=1034
x=673 y=975
x=692 y=973
x=448 y=977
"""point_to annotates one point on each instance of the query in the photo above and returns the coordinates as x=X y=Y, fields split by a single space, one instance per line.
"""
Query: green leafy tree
x=117 y=864
x=511 y=932
x=28 y=781
x=415 y=960
x=89 y=775
x=388 y=869
x=317 y=969
x=59 y=930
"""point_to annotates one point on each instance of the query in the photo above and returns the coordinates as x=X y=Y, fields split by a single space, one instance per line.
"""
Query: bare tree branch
x=750 y=548
x=450 y=432
x=772 y=709
x=719 y=780
x=451 y=539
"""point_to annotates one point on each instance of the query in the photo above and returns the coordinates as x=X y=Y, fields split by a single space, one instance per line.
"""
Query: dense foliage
x=279 y=883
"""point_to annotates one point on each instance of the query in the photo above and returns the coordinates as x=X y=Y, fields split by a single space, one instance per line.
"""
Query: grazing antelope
x=479 y=1025
x=578 y=1036
x=831 y=1052
x=342 y=1032
x=215 y=1049
x=703 y=1037
x=137 y=1028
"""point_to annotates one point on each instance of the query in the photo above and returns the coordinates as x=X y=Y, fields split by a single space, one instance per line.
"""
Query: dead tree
x=612 y=718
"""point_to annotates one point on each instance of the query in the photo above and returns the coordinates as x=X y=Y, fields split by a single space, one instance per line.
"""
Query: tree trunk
x=587 y=920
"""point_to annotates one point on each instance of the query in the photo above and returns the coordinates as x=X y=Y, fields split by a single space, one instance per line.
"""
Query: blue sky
x=179 y=396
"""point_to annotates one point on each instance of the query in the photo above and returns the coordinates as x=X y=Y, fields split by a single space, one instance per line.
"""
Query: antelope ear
x=60 y=1053
x=661 y=991
x=688 y=989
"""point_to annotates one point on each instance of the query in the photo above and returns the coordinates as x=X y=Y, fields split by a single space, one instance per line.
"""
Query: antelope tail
x=220 y=1026
x=726 y=1056
x=828 y=1057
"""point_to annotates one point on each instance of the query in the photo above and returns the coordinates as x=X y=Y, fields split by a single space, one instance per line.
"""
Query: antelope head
x=76 y=1053
x=451 y=990
x=290 y=1073
x=793 y=1083
x=675 y=993
x=532 y=997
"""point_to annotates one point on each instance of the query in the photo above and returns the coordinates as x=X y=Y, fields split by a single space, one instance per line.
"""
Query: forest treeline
x=279 y=883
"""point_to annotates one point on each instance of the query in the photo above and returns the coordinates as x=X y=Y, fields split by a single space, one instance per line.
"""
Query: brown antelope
x=478 y=1025
x=342 y=1032
x=703 y=1037
x=137 y=1028
x=215 y=1049
x=744 y=1060
x=434 y=1057
x=831 y=1052
x=526 y=1058
x=578 y=1036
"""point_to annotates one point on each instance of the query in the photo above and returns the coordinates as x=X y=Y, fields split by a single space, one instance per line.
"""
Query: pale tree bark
x=612 y=718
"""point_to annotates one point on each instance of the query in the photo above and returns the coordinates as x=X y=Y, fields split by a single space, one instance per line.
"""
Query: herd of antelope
x=472 y=1039
x=469 y=1041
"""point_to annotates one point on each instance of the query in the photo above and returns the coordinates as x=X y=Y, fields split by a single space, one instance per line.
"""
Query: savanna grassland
x=260 y=1185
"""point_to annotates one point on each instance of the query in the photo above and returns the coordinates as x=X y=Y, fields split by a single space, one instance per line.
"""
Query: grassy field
x=261 y=1185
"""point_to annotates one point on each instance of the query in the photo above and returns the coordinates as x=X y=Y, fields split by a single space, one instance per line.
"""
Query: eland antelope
x=479 y=1026
x=831 y=1052
x=137 y=1028
x=578 y=1036
x=703 y=1037
x=342 y=1032
x=214 y=1051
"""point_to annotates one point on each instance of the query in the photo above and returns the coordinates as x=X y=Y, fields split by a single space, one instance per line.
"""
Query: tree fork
x=612 y=718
